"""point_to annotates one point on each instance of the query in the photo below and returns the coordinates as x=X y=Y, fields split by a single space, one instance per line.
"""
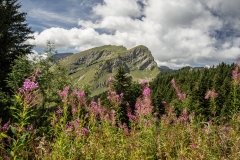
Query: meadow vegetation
x=74 y=126
x=45 y=116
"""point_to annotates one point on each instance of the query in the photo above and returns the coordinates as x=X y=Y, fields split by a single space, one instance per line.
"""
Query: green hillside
x=94 y=66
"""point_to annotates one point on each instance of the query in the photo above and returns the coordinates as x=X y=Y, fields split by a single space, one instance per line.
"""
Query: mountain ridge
x=93 y=66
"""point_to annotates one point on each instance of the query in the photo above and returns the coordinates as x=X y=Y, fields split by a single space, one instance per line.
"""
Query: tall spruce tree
x=14 y=31
x=122 y=82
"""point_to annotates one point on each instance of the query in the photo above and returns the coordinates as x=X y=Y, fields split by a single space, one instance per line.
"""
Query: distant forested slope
x=195 y=84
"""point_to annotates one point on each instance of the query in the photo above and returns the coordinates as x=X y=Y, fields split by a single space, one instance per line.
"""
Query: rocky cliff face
x=94 y=66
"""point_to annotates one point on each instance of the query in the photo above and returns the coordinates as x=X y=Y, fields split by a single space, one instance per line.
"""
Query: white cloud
x=36 y=57
x=178 y=32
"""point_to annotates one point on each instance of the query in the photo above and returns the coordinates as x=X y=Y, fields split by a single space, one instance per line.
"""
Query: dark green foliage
x=53 y=77
x=13 y=33
x=195 y=83
x=121 y=82
x=21 y=69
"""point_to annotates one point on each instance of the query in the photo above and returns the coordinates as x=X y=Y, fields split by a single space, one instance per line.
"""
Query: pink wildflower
x=211 y=94
x=74 y=111
x=6 y=126
x=84 y=131
x=146 y=91
x=59 y=111
x=180 y=95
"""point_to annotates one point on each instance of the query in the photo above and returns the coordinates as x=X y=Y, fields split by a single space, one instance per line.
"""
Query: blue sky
x=177 y=32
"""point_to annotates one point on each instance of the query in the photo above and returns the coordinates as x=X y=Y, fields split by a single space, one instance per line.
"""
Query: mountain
x=94 y=66
x=165 y=69
x=59 y=56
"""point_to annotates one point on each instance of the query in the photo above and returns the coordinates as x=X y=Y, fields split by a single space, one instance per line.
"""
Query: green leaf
x=22 y=139
x=4 y=135
x=12 y=153
x=13 y=129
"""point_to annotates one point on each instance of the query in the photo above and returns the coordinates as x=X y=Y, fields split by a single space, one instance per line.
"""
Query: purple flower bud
x=59 y=111
x=211 y=94
x=84 y=131
x=74 y=111
x=6 y=126
x=78 y=120
x=30 y=127
x=184 y=112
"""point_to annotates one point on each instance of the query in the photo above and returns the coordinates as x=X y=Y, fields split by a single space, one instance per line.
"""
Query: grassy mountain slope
x=94 y=66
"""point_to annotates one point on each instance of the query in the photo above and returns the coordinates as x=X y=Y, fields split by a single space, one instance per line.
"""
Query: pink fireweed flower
x=146 y=91
x=211 y=94
x=64 y=94
x=181 y=96
x=30 y=127
x=121 y=95
x=74 y=92
x=144 y=82
x=235 y=74
x=59 y=111
x=184 y=112
x=93 y=103
x=81 y=94
x=74 y=111
x=143 y=106
x=193 y=146
x=85 y=131
x=6 y=126
x=129 y=113
x=87 y=115
x=28 y=85
x=106 y=116
x=78 y=120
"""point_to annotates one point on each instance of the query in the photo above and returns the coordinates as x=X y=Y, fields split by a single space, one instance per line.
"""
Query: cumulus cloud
x=178 y=32
x=36 y=57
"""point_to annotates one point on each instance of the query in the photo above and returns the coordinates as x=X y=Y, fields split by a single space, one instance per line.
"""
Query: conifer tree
x=121 y=82
x=14 y=31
